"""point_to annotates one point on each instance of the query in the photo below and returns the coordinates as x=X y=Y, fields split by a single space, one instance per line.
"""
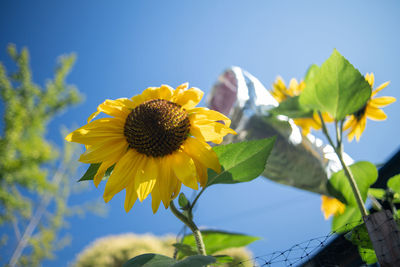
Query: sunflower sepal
x=183 y=202
x=92 y=171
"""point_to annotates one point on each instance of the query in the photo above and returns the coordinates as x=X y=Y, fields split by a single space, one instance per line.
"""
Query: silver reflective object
x=301 y=161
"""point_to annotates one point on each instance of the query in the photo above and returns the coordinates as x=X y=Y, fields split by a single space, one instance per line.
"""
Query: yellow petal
x=184 y=169
x=166 y=181
x=331 y=206
x=123 y=174
x=146 y=178
x=349 y=122
x=183 y=86
x=155 y=198
x=382 y=101
x=131 y=196
x=203 y=153
x=379 y=88
x=375 y=113
x=189 y=98
x=97 y=131
x=201 y=172
x=370 y=78
x=360 y=127
x=207 y=114
x=117 y=108
x=150 y=93
x=108 y=150
x=102 y=171
x=209 y=131
x=137 y=99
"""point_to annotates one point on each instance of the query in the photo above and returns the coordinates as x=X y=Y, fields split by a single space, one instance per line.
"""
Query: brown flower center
x=157 y=127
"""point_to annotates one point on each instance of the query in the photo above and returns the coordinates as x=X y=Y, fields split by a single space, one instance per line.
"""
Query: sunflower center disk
x=157 y=127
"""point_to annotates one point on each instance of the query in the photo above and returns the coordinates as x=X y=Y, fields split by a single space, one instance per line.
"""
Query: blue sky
x=125 y=46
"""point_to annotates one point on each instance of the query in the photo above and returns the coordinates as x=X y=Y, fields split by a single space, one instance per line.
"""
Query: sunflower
x=357 y=121
x=156 y=141
x=331 y=206
x=280 y=92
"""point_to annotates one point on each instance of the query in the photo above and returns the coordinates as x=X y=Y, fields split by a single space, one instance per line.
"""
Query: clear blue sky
x=125 y=46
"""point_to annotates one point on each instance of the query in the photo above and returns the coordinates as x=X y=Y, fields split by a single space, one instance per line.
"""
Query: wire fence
x=330 y=250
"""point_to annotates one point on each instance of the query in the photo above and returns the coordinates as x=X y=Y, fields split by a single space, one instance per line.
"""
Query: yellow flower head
x=331 y=206
x=357 y=121
x=157 y=141
x=280 y=92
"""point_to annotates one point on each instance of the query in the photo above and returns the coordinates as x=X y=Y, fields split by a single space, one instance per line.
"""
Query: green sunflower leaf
x=90 y=173
x=359 y=237
x=150 y=260
x=346 y=221
x=241 y=162
x=394 y=183
x=292 y=108
x=367 y=255
x=92 y=170
x=215 y=241
x=377 y=193
x=157 y=260
x=185 y=249
x=195 y=261
x=312 y=72
x=337 y=87
x=365 y=174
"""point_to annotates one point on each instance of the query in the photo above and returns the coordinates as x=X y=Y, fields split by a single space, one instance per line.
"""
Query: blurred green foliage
x=114 y=251
x=35 y=182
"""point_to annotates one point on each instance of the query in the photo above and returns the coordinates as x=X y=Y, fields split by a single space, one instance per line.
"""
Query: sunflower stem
x=339 y=152
x=195 y=200
x=193 y=227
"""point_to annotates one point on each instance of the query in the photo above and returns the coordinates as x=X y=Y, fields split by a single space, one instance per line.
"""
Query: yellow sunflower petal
x=138 y=99
x=131 y=196
x=209 y=131
x=109 y=149
x=123 y=174
x=155 y=198
x=293 y=87
x=146 y=178
x=102 y=171
x=375 y=113
x=203 y=153
x=349 y=122
x=167 y=181
x=208 y=114
x=201 y=172
x=189 y=98
x=97 y=131
x=360 y=127
x=117 y=108
x=331 y=206
x=379 y=88
x=370 y=78
x=382 y=101
x=178 y=186
x=183 y=86
x=184 y=169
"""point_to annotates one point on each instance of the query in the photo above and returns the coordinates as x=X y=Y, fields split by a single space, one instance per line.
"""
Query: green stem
x=189 y=222
x=339 y=152
x=195 y=201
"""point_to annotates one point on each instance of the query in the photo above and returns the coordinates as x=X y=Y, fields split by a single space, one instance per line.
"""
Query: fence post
x=385 y=237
